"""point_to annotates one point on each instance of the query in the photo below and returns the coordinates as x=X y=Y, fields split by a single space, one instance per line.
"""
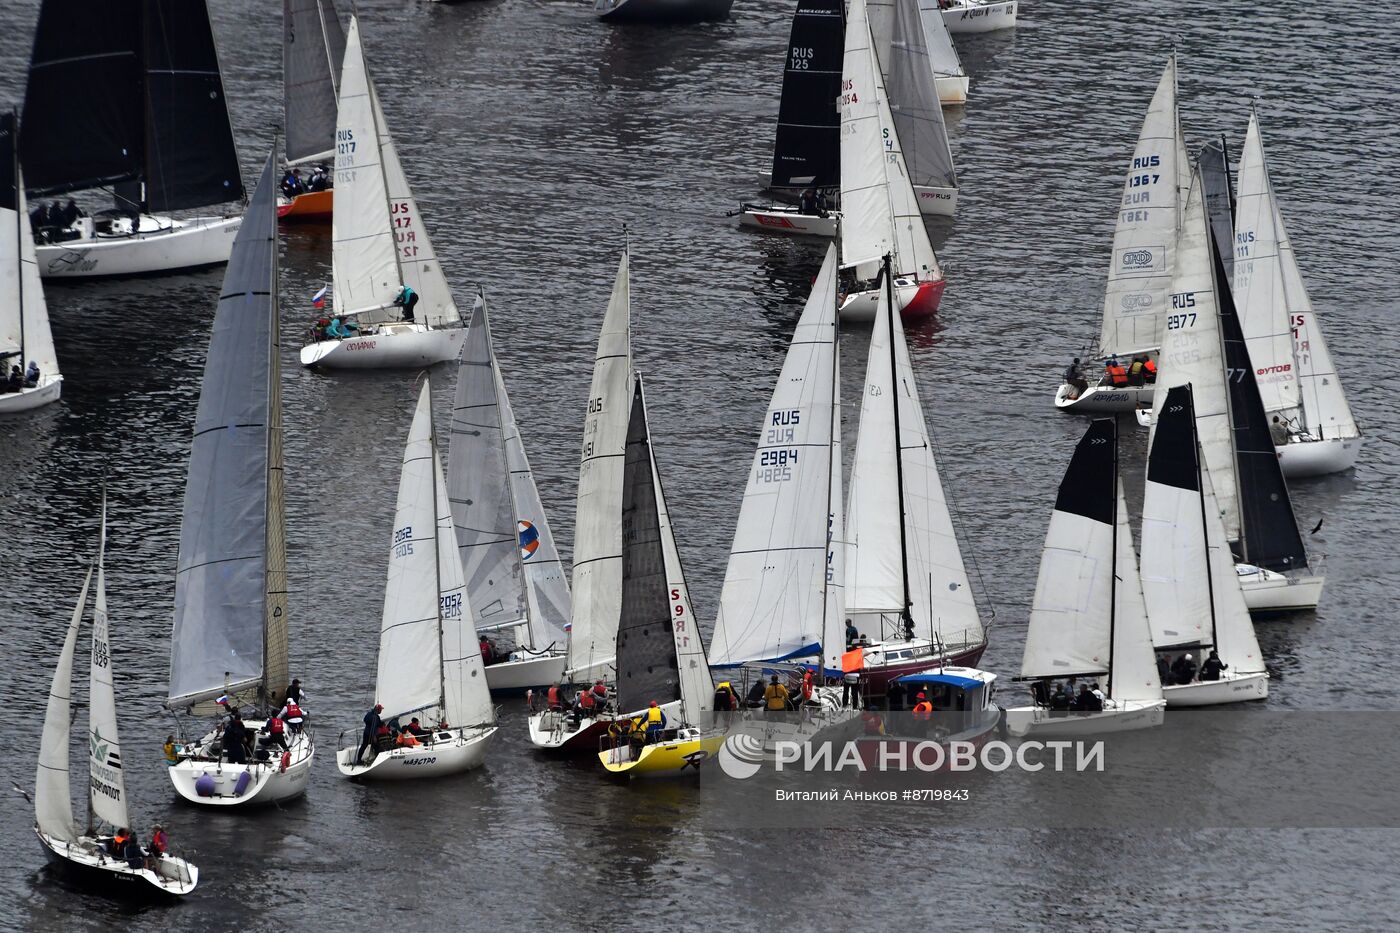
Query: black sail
x=646 y=649
x=190 y=157
x=84 y=105
x=1269 y=532
x=1220 y=202
x=1090 y=486
x=1172 y=459
x=807 y=151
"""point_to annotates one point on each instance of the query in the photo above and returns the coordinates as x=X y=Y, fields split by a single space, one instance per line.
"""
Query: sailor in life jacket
x=1117 y=374
x=923 y=710
x=655 y=721
x=293 y=715
x=554 y=699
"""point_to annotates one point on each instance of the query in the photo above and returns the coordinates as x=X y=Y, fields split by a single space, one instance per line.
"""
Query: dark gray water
x=532 y=134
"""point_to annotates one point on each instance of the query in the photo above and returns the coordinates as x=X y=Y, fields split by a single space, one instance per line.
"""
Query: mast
x=906 y=620
x=1205 y=533
x=437 y=564
x=831 y=455
x=19 y=228
x=1113 y=568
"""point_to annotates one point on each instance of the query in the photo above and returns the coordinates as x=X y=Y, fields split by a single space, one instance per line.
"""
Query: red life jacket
x=600 y=691
x=275 y=726
x=293 y=711
x=553 y=696
x=586 y=700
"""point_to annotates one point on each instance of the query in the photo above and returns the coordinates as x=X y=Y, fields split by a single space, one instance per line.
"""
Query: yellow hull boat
x=687 y=752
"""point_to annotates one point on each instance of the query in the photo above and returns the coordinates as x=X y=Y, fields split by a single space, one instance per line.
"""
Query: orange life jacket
x=553 y=696
x=1149 y=367
x=1118 y=374
x=923 y=709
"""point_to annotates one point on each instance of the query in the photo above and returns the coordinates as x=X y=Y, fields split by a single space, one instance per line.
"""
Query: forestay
x=807 y=147
x=106 y=788
x=597 y=578
x=53 y=792
x=922 y=560
x=779 y=585
x=313 y=52
x=24 y=314
x=1140 y=272
x=918 y=116
x=230 y=599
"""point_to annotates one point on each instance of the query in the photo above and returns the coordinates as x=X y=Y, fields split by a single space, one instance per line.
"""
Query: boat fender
x=286 y=760
x=241 y=787
x=204 y=785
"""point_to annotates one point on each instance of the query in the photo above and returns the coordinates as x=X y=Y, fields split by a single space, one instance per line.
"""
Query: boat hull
x=679 y=756
x=1266 y=591
x=47 y=391
x=916 y=300
x=175 y=877
x=952 y=90
x=267 y=782
x=312 y=207
x=1318 y=458
x=1126 y=716
x=399 y=346
x=878 y=752
x=936 y=202
x=661 y=11
x=966 y=17
x=175 y=245
x=1232 y=688
x=550 y=731
x=1098 y=399
x=788 y=222
x=522 y=675
x=451 y=752
x=876 y=676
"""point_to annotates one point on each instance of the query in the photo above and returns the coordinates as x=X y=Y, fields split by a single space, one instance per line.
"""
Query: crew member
x=406 y=299
x=1117 y=375
x=655 y=721
x=1212 y=667
x=372 y=726
x=775 y=696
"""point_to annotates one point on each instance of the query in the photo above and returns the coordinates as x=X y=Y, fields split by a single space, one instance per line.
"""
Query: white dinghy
x=1138 y=293
x=380 y=250
x=1297 y=378
x=429 y=657
x=129 y=98
x=949 y=75
x=1193 y=596
x=1087 y=618
x=90 y=852
x=597 y=576
x=880 y=213
x=313 y=53
x=806 y=147
x=515 y=580
x=967 y=17
x=230 y=635
x=1202 y=345
x=25 y=337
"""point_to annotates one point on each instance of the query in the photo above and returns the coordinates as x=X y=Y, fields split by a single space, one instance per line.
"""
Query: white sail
x=1136 y=299
x=775 y=595
x=918 y=115
x=697 y=686
x=53 y=792
x=881 y=560
x=1234 y=630
x=410 y=673
x=313 y=48
x=1133 y=663
x=1174 y=548
x=106 y=788
x=880 y=212
x=942 y=54
x=1191 y=352
x=834 y=628
x=24 y=315
x=597 y=592
x=365 y=274
x=1258 y=288
x=465 y=694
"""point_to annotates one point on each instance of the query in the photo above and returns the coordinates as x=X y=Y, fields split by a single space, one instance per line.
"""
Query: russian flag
x=318 y=300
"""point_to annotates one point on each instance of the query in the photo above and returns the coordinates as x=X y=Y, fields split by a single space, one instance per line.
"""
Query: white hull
x=1124 y=717
x=965 y=17
x=789 y=222
x=538 y=671
x=952 y=90
x=268 y=783
x=551 y=731
x=936 y=202
x=1318 y=458
x=662 y=11
x=173 y=876
x=393 y=346
x=449 y=752
x=163 y=245
x=1267 y=591
x=48 y=390
x=860 y=306
x=1231 y=688
x=1103 y=398
x=758 y=732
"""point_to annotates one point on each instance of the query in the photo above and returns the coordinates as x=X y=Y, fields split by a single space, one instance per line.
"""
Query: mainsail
x=784 y=576
x=597 y=536
x=313 y=50
x=24 y=314
x=106 y=787
x=53 y=792
x=807 y=148
x=230 y=579
x=942 y=54
x=918 y=116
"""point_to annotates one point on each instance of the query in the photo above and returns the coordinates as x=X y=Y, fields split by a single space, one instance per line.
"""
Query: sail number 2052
x=403 y=541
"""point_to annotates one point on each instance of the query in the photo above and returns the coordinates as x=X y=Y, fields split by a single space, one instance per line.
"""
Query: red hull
x=925 y=301
x=869 y=748
x=312 y=207
x=877 y=679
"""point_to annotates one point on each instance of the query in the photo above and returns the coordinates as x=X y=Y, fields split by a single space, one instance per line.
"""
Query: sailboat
x=911 y=83
x=24 y=315
x=128 y=95
x=1087 y=618
x=230 y=636
x=1135 y=305
x=806 y=148
x=661 y=11
x=379 y=246
x=660 y=651
x=968 y=17
x=597 y=576
x=880 y=212
x=515 y=580
x=907 y=589
x=313 y=52
x=1183 y=547
x=1204 y=345
x=949 y=75
x=1298 y=380
x=429 y=658
x=87 y=851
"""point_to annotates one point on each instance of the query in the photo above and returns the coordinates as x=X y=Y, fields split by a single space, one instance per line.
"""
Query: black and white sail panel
x=807 y=149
